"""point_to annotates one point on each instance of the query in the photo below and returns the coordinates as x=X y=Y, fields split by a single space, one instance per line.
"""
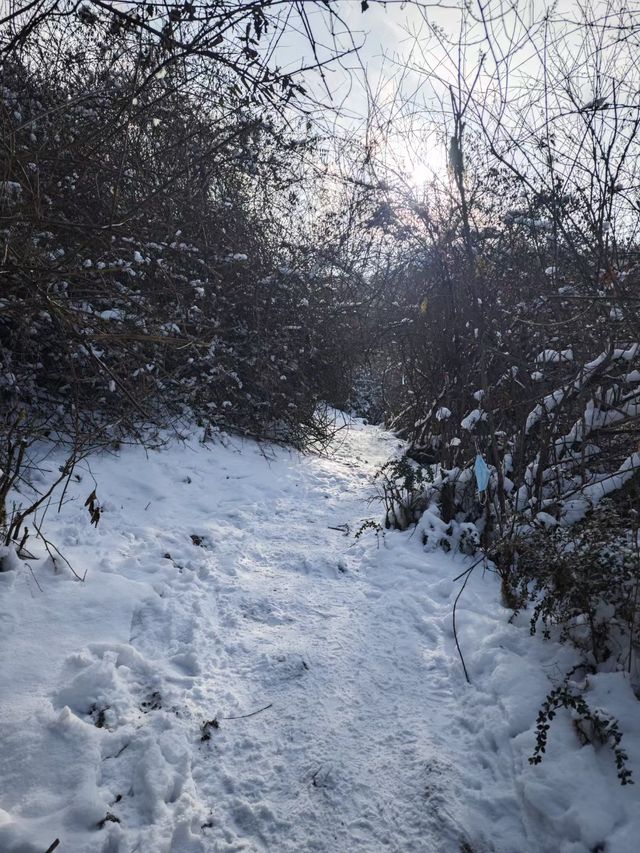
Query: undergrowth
x=592 y=726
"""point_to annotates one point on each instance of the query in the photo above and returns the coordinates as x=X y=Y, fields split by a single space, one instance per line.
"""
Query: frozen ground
x=339 y=719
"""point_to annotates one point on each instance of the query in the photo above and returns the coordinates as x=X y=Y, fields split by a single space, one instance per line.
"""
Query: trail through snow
x=236 y=674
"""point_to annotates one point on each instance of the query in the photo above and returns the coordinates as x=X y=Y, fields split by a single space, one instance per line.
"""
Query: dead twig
x=252 y=714
x=50 y=547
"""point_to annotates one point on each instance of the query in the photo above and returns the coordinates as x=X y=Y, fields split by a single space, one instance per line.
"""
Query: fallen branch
x=252 y=714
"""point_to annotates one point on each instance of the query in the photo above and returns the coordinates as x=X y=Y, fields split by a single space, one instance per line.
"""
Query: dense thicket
x=512 y=345
x=160 y=261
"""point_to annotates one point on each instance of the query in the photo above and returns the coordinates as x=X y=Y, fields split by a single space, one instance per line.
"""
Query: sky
x=392 y=87
x=373 y=80
x=398 y=76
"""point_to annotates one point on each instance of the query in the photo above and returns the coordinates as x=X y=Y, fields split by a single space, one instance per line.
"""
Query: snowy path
x=372 y=741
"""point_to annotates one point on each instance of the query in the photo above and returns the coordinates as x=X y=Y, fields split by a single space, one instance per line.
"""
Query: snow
x=472 y=419
x=552 y=356
x=547 y=406
x=111 y=314
x=443 y=413
x=596 y=491
x=239 y=673
x=545 y=520
x=628 y=353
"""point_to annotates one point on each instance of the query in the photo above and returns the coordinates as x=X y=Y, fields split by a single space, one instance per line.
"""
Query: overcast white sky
x=399 y=62
x=384 y=35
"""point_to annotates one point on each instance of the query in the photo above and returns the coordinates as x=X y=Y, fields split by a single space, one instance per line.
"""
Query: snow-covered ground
x=237 y=675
